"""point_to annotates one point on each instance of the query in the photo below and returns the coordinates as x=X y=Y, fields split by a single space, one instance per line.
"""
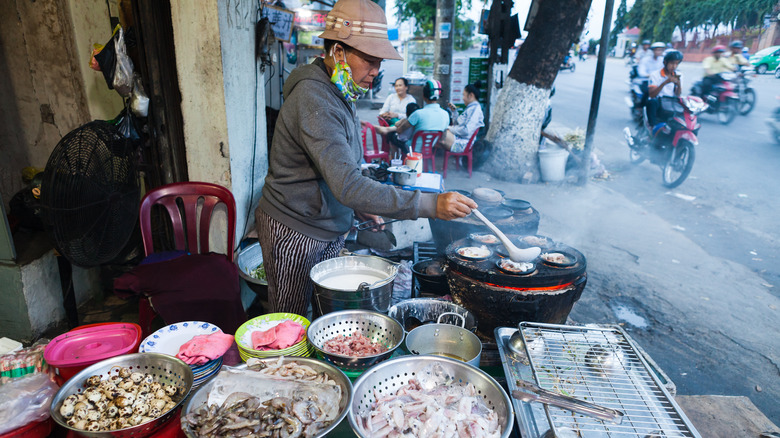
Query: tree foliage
x=619 y=25
x=464 y=33
x=424 y=14
x=657 y=19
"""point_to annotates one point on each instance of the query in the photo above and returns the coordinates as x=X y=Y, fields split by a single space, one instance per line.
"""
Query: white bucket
x=552 y=163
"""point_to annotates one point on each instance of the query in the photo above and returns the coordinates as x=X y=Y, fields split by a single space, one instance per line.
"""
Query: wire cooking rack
x=600 y=365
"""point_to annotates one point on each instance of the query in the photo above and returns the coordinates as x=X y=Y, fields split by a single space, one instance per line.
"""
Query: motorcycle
x=722 y=100
x=672 y=149
x=568 y=63
x=746 y=93
x=637 y=97
x=774 y=123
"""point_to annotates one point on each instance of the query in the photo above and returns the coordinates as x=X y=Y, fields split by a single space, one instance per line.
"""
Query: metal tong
x=541 y=395
x=367 y=225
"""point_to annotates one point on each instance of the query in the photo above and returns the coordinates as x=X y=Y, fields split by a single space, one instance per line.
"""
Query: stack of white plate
x=170 y=338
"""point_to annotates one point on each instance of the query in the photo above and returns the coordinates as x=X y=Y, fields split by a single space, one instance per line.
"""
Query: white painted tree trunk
x=515 y=127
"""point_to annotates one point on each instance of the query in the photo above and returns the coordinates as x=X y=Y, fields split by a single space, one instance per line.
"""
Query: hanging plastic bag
x=25 y=400
x=126 y=124
x=123 y=72
x=139 y=101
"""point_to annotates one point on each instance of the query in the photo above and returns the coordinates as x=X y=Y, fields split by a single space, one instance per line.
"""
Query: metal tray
x=647 y=388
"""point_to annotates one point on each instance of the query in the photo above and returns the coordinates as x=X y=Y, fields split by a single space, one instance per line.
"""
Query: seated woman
x=395 y=105
x=430 y=117
x=456 y=137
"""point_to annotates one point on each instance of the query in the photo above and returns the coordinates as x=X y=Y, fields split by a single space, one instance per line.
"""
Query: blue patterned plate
x=170 y=338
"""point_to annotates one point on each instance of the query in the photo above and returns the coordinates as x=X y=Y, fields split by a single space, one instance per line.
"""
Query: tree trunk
x=519 y=111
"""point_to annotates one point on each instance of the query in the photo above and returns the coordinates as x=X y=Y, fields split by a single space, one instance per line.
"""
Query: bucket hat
x=362 y=25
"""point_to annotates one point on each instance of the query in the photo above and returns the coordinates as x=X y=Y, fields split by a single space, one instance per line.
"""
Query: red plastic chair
x=466 y=153
x=188 y=236
x=429 y=140
x=378 y=150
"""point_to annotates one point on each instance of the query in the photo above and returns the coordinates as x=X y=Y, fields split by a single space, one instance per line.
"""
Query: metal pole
x=594 y=100
x=443 y=46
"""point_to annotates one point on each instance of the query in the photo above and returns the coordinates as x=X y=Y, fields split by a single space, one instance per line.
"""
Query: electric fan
x=90 y=194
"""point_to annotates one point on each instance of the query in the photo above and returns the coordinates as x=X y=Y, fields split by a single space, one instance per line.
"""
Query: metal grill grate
x=562 y=359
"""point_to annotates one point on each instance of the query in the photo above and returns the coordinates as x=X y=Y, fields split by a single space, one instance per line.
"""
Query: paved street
x=734 y=176
x=690 y=273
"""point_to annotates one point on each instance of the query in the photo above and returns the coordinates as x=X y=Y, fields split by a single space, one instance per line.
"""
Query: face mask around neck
x=342 y=78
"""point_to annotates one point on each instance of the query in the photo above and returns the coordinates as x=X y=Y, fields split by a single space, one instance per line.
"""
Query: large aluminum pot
x=445 y=340
x=353 y=282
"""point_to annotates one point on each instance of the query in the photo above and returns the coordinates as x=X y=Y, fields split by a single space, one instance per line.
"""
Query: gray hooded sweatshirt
x=314 y=181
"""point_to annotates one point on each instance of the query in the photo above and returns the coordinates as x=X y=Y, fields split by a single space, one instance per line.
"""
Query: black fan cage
x=90 y=194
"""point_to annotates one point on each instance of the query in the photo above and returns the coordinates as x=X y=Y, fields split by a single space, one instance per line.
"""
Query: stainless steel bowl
x=427 y=311
x=200 y=396
x=375 y=326
x=387 y=377
x=165 y=369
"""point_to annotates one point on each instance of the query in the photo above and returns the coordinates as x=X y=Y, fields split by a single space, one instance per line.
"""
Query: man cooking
x=314 y=183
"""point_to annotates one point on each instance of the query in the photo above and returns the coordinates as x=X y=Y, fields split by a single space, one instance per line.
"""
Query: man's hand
x=378 y=222
x=452 y=205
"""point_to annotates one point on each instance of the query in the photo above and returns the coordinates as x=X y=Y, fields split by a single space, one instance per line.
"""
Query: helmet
x=658 y=45
x=736 y=44
x=673 y=55
x=719 y=48
x=432 y=89
x=646 y=42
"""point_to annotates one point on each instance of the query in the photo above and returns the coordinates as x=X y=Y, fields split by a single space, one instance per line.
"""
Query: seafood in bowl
x=540 y=241
x=474 y=252
x=561 y=259
x=426 y=407
x=508 y=265
x=356 y=345
x=268 y=398
x=487 y=239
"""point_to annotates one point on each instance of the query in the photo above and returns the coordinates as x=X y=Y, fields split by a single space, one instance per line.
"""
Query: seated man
x=663 y=83
x=456 y=137
x=431 y=117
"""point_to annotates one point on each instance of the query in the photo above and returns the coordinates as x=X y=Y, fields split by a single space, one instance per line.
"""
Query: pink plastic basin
x=75 y=350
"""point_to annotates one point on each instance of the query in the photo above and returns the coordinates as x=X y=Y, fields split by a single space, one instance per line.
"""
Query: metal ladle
x=515 y=343
x=516 y=254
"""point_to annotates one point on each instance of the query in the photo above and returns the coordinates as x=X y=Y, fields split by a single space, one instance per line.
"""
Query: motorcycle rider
x=736 y=58
x=665 y=82
x=643 y=51
x=654 y=61
x=713 y=67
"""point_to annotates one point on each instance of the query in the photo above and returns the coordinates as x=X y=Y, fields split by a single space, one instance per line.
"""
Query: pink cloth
x=203 y=348
x=284 y=335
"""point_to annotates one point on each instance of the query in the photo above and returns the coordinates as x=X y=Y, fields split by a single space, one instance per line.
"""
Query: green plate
x=255 y=323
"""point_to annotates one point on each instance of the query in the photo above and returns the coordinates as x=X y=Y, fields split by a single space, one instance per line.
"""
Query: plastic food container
x=83 y=346
x=36 y=429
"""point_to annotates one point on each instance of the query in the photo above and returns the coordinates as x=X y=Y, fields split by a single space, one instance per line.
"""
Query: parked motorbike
x=722 y=100
x=568 y=63
x=774 y=123
x=672 y=148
